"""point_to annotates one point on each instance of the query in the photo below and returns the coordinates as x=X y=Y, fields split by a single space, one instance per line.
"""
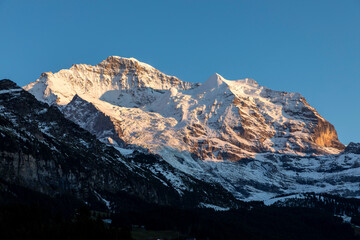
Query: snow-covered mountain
x=43 y=151
x=254 y=141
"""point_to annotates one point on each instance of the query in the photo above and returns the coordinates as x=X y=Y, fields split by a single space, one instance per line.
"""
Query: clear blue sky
x=307 y=46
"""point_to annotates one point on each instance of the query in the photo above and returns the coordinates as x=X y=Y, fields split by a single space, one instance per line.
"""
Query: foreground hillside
x=59 y=182
x=40 y=217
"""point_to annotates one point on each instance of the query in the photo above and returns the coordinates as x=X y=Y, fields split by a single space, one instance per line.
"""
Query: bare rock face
x=134 y=74
x=353 y=148
x=325 y=135
x=89 y=117
x=293 y=126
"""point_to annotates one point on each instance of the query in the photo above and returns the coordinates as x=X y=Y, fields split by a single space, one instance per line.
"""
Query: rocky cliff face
x=99 y=124
x=41 y=150
x=353 y=148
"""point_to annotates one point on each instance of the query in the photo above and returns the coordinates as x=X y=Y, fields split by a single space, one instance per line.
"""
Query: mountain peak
x=122 y=61
x=103 y=81
x=216 y=80
x=216 y=77
x=7 y=84
x=213 y=82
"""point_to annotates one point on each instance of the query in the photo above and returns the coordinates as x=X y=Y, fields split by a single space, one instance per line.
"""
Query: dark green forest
x=36 y=216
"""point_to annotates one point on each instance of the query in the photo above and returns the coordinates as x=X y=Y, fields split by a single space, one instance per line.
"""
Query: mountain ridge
x=126 y=85
x=248 y=138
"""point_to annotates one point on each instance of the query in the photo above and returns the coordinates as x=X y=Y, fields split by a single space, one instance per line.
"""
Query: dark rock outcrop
x=353 y=148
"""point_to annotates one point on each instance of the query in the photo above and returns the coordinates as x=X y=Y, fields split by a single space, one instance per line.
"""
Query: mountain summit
x=100 y=81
